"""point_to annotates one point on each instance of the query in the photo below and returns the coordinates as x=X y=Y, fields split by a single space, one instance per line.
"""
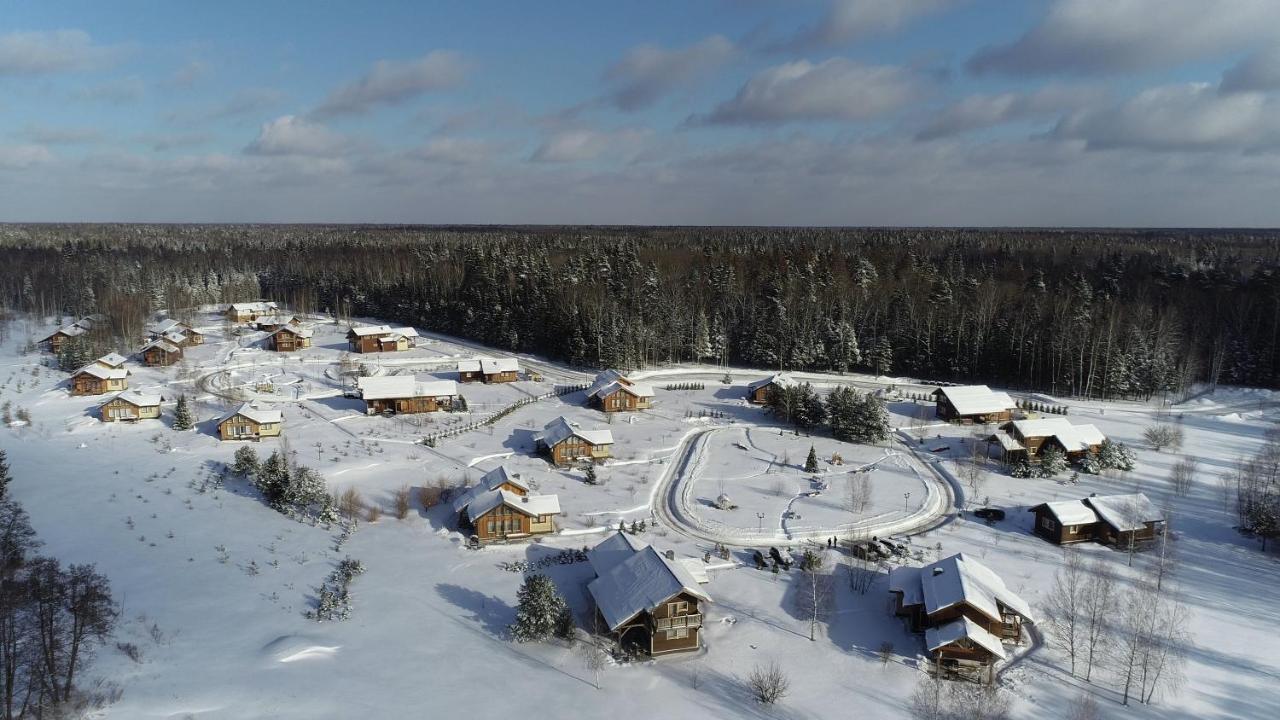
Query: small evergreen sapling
x=811 y=462
x=182 y=419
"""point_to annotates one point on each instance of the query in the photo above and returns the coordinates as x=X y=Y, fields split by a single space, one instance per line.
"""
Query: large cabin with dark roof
x=1108 y=519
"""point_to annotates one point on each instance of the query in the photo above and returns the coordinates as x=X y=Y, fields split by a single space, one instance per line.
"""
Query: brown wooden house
x=489 y=370
x=95 y=379
x=649 y=603
x=963 y=649
x=160 y=353
x=380 y=338
x=959 y=588
x=290 y=339
x=1024 y=439
x=61 y=336
x=1108 y=519
x=250 y=423
x=758 y=391
x=973 y=404
x=613 y=392
x=404 y=394
x=247 y=312
x=272 y=323
x=566 y=444
x=130 y=406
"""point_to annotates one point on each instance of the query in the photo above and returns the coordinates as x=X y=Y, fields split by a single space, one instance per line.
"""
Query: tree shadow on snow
x=520 y=441
x=719 y=691
x=489 y=611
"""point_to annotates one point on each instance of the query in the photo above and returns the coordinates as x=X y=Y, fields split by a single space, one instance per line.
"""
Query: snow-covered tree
x=182 y=418
x=246 y=462
x=869 y=421
x=1115 y=456
x=6 y=476
x=1052 y=461
x=811 y=462
x=539 y=607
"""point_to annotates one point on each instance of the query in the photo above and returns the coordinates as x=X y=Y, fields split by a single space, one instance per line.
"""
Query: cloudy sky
x=818 y=112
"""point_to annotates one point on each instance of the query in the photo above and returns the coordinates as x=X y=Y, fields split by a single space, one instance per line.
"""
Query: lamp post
x=760 y=524
x=906 y=498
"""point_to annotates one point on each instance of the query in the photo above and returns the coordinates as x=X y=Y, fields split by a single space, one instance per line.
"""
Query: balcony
x=681 y=621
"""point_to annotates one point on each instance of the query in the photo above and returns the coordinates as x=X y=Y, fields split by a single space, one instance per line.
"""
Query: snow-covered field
x=213 y=584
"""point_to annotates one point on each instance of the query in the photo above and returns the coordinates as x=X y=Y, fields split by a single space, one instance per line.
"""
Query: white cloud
x=578 y=145
x=119 y=91
x=1192 y=116
x=44 y=53
x=1259 y=71
x=848 y=20
x=454 y=151
x=647 y=73
x=189 y=74
x=976 y=112
x=292 y=135
x=1110 y=36
x=20 y=157
x=391 y=81
x=836 y=89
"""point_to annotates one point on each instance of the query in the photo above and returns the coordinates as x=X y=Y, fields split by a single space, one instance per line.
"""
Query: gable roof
x=963 y=628
x=1125 y=512
x=559 y=430
x=489 y=366
x=976 y=399
x=604 y=378
x=111 y=360
x=782 y=380
x=955 y=580
x=162 y=344
x=68 y=330
x=1069 y=512
x=642 y=390
x=102 y=373
x=160 y=327
x=403 y=386
x=528 y=504
x=302 y=332
x=257 y=415
x=1072 y=437
x=137 y=399
x=640 y=583
x=256 y=306
x=363 y=330
x=612 y=550
x=491 y=480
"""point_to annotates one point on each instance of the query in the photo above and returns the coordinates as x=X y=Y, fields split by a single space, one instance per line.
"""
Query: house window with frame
x=677 y=608
x=1047 y=523
x=678 y=634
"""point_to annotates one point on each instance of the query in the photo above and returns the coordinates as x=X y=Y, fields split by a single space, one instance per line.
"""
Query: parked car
x=989 y=514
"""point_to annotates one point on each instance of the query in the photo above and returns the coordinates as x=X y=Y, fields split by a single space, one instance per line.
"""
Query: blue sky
x=828 y=112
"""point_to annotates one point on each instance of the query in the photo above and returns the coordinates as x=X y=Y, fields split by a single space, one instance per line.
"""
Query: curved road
x=672 y=504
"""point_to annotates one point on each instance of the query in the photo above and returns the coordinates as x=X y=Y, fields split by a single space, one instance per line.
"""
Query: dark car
x=989 y=514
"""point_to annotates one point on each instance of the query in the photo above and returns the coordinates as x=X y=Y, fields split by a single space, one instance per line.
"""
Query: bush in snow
x=768 y=683
x=1090 y=465
x=591 y=477
x=334 y=597
x=538 y=610
x=1052 y=461
x=1162 y=436
x=1024 y=468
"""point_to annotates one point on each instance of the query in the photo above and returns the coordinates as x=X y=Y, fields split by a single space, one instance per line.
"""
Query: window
x=677 y=608
x=678 y=634
x=1047 y=523
x=490 y=527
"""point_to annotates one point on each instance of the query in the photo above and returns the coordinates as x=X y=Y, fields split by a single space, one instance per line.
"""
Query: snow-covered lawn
x=213 y=584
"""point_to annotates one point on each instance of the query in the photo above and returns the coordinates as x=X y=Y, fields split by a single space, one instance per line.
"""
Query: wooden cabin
x=489 y=370
x=973 y=404
x=161 y=353
x=962 y=649
x=272 y=323
x=1107 y=519
x=381 y=338
x=96 y=380
x=614 y=392
x=250 y=423
x=1024 y=439
x=111 y=360
x=194 y=337
x=130 y=406
x=62 y=336
x=959 y=589
x=566 y=444
x=247 y=312
x=404 y=394
x=650 y=603
x=758 y=391
x=290 y=339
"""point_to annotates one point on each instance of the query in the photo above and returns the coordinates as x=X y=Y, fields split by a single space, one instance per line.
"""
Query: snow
x=404 y=386
x=1125 y=512
x=1071 y=513
x=489 y=366
x=103 y=373
x=959 y=579
x=428 y=629
x=255 y=414
x=112 y=360
x=782 y=380
x=137 y=399
x=976 y=399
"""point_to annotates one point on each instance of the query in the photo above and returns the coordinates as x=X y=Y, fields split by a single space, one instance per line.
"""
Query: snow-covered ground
x=213 y=584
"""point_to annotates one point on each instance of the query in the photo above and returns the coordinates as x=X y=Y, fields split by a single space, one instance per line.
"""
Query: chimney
x=524 y=498
x=937 y=571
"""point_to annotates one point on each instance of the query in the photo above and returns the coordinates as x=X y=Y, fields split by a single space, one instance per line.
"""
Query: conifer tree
x=6 y=476
x=182 y=419
x=811 y=462
x=538 y=610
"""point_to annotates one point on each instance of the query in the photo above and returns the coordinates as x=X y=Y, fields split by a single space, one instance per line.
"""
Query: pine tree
x=272 y=480
x=1052 y=461
x=591 y=477
x=246 y=464
x=811 y=462
x=882 y=356
x=6 y=476
x=841 y=412
x=1115 y=456
x=182 y=419
x=869 y=421
x=538 y=609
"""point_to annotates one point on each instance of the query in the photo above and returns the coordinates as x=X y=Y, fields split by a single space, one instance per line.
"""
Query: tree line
x=1097 y=313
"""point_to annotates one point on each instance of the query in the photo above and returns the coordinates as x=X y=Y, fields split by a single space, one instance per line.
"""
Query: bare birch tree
x=1066 y=606
x=1100 y=602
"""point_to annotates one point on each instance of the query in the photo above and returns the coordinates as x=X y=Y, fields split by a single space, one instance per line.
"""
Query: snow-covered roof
x=612 y=550
x=1125 y=512
x=404 y=386
x=302 y=332
x=371 y=330
x=161 y=343
x=133 y=397
x=257 y=415
x=258 y=306
x=959 y=629
x=1070 y=512
x=489 y=366
x=1072 y=437
x=160 y=327
x=175 y=336
x=112 y=360
x=103 y=373
x=642 y=390
x=491 y=480
x=640 y=583
x=1007 y=442
x=976 y=399
x=782 y=380
x=559 y=430
x=69 y=331
x=527 y=504
x=405 y=331
x=960 y=579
